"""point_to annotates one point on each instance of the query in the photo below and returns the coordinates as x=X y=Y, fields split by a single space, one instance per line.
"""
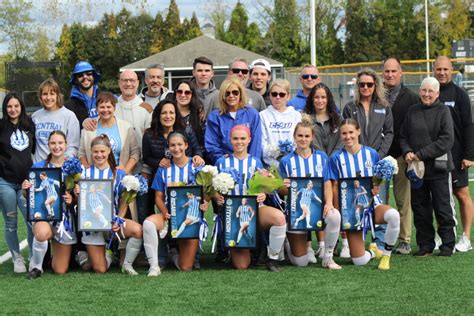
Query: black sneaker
x=445 y=252
x=272 y=265
x=33 y=274
x=423 y=253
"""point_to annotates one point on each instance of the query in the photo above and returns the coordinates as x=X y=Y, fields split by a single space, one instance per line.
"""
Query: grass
x=432 y=285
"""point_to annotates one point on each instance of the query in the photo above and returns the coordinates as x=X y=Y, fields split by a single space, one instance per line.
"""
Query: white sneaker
x=311 y=256
x=330 y=264
x=154 y=272
x=164 y=231
x=19 y=264
x=345 y=252
x=82 y=260
x=320 y=252
x=128 y=269
x=464 y=244
x=438 y=242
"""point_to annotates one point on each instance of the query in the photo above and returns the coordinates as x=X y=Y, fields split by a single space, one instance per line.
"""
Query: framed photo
x=355 y=195
x=96 y=205
x=305 y=204
x=183 y=204
x=240 y=221
x=45 y=196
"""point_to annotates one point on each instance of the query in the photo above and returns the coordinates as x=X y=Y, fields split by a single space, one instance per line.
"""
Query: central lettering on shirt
x=281 y=125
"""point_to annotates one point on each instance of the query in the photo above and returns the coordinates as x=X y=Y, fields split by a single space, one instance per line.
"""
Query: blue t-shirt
x=114 y=136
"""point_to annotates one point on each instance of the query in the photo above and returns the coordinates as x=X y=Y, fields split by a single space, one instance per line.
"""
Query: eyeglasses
x=82 y=74
x=128 y=80
x=233 y=92
x=366 y=84
x=237 y=70
x=185 y=92
x=278 y=94
x=313 y=76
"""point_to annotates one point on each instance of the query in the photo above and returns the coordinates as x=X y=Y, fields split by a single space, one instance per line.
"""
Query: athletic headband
x=241 y=127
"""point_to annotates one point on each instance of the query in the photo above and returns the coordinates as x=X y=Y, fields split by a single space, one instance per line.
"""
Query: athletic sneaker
x=330 y=264
x=423 y=253
x=82 y=260
x=384 y=263
x=403 y=248
x=128 y=269
x=376 y=252
x=320 y=252
x=272 y=265
x=164 y=231
x=154 y=272
x=33 y=274
x=311 y=256
x=345 y=252
x=438 y=242
x=464 y=244
x=19 y=264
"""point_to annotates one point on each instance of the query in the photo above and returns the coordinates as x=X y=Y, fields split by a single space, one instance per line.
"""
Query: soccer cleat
x=272 y=265
x=330 y=264
x=82 y=260
x=384 y=263
x=376 y=252
x=33 y=274
x=438 y=242
x=154 y=272
x=464 y=244
x=345 y=252
x=403 y=248
x=19 y=264
x=128 y=269
x=164 y=231
x=311 y=256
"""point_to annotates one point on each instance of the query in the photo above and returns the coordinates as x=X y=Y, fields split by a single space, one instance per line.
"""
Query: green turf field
x=428 y=286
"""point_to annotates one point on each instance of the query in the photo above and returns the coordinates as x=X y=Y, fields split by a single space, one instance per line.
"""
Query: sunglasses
x=237 y=70
x=278 y=94
x=233 y=92
x=366 y=84
x=313 y=76
x=185 y=92
x=89 y=73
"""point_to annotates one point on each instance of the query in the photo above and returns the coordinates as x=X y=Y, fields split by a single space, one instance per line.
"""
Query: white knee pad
x=360 y=261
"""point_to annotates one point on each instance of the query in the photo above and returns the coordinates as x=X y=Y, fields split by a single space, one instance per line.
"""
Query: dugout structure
x=24 y=77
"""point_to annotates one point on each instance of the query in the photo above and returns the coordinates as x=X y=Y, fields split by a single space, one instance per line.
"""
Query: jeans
x=12 y=199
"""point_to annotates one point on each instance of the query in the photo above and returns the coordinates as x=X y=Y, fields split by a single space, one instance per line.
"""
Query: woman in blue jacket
x=233 y=110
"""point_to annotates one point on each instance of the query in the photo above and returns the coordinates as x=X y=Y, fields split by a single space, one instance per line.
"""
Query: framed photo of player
x=240 y=221
x=95 y=205
x=184 y=207
x=355 y=195
x=305 y=204
x=45 y=196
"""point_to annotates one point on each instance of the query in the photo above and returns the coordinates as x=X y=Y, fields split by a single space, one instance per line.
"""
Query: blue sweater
x=298 y=101
x=217 y=137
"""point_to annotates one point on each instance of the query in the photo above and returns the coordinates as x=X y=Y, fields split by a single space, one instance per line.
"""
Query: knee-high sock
x=360 y=261
x=39 y=251
x=392 y=217
x=132 y=250
x=301 y=261
x=331 y=232
x=150 y=243
x=277 y=237
x=239 y=236
x=308 y=219
x=181 y=229
x=103 y=220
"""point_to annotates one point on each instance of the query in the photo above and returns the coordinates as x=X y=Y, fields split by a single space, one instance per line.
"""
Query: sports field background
x=432 y=286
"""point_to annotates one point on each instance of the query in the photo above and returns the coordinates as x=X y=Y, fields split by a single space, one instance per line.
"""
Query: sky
x=91 y=11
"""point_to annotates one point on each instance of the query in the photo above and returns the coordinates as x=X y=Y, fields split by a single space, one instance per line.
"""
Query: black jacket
x=458 y=102
x=405 y=99
x=156 y=148
x=79 y=108
x=428 y=132
x=16 y=147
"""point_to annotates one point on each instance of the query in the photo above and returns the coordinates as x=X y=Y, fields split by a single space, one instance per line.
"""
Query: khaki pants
x=401 y=190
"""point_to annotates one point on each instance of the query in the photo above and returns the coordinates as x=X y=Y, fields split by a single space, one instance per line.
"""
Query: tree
x=172 y=27
x=43 y=46
x=157 y=34
x=15 y=27
x=218 y=14
x=240 y=33
x=359 y=45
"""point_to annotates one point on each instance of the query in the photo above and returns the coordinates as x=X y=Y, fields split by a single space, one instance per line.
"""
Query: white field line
x=8 y=254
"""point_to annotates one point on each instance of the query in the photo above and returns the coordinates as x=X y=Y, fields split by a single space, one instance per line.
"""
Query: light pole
x=312 y=26
x=427 y=39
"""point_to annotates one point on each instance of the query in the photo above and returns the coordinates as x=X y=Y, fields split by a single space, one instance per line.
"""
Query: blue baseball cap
x=415 y=173
x=84 y=66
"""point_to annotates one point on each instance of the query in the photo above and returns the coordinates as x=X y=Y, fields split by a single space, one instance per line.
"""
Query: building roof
x=181 y=56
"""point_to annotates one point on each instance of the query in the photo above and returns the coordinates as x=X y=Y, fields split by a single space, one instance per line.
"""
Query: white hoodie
x=277 y=126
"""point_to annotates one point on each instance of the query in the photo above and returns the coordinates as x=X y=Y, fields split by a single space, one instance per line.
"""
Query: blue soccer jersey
x=345 y=165
x=361 y=196
x=245 y=213
x=193 y=208
x=173 y=174
x=245 y=167
x=49 y=185
x=316 y=165
x=95 y=200
x=307 y=195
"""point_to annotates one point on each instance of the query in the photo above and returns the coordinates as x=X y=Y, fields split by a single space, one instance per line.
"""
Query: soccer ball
x=174 y=233
x=37 y=215
x=87 y=224
x=231 y=243
x=319 y=224
x=347 y=225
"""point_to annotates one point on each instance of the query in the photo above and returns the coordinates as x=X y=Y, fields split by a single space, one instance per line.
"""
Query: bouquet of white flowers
x=204 y=177
x=223 y=182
